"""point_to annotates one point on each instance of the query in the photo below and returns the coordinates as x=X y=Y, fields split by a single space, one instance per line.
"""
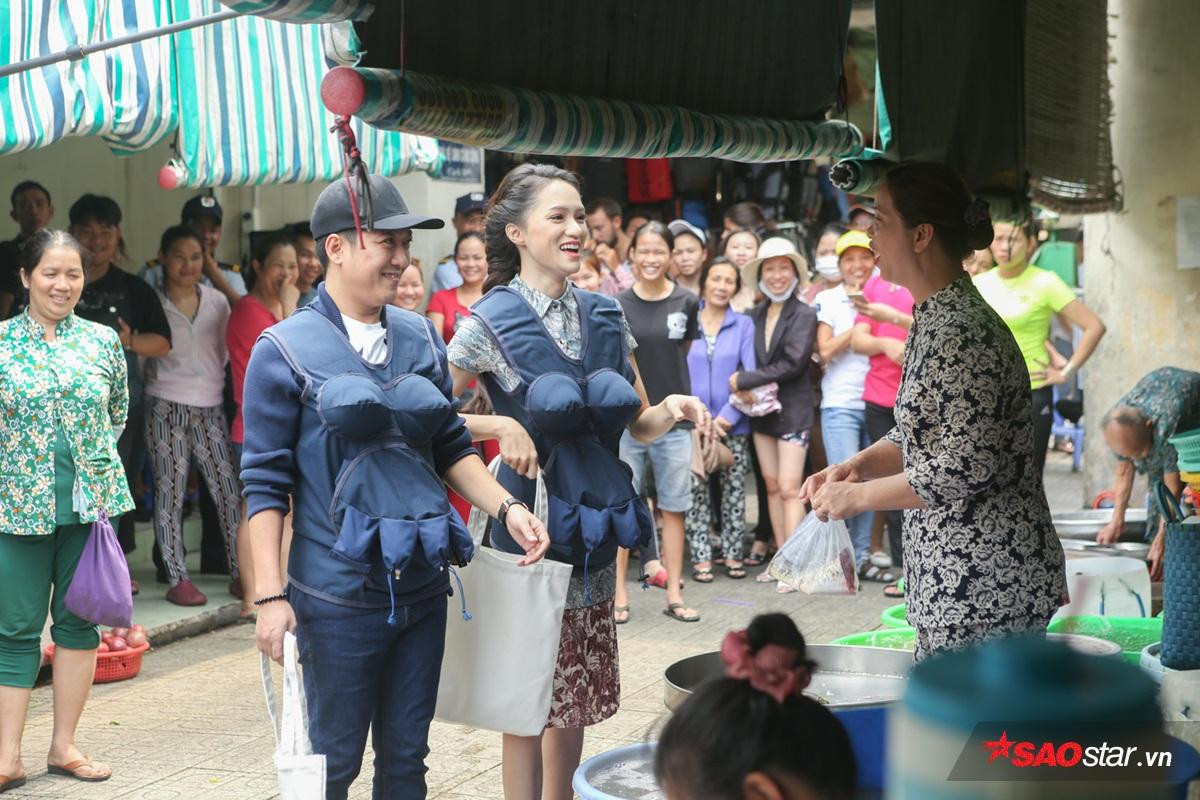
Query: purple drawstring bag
x=100 y=591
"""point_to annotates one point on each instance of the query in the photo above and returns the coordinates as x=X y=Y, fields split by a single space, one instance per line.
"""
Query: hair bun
x=979 y=224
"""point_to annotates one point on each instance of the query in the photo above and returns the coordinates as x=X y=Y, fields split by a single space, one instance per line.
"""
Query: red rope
x=352 y=166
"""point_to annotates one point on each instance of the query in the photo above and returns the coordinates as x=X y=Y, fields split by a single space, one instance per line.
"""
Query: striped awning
x=250 y=110
x=122 y=95
x=242 y=96
x=304 y=10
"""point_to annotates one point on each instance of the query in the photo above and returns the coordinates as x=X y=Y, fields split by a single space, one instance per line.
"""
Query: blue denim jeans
x=361 y=673
x=845 y=433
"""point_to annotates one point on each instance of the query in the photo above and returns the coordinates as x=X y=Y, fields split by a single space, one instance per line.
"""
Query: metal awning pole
x=80 y=51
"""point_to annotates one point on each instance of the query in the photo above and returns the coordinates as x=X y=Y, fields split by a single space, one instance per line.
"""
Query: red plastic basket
x=112 y=667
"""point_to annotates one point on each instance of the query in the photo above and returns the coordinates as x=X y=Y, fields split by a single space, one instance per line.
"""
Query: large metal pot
x=846 y=676
x=1086 y=524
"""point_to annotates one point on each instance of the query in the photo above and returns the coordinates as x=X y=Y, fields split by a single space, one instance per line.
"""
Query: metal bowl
x=846 y=676
x=1086 y=524
x=1138 y=550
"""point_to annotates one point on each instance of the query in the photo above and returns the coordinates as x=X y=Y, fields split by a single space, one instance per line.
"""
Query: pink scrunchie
x=772 y=670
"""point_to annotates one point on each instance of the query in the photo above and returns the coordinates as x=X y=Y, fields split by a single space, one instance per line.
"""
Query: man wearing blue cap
x=360 y=391
x=468 y=216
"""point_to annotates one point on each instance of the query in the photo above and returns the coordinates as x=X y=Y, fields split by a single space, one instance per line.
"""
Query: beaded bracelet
x=262 y=601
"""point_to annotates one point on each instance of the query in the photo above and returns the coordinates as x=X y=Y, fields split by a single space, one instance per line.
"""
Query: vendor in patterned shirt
x=63 y=394
x=1163 y=404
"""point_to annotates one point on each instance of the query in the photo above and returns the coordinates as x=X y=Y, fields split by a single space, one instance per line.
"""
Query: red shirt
x=447 y=304
x=883 y=379
x=248 y=320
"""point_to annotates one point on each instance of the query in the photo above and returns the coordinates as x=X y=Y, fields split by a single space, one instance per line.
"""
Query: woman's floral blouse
x=984 y=550
x=78 y=383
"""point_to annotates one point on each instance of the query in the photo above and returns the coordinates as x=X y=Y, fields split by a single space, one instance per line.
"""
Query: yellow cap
x=853 y=238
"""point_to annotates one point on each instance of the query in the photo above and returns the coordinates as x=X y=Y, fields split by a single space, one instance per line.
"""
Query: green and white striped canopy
x=242 y=97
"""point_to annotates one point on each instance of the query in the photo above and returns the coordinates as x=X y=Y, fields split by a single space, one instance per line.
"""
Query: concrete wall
x=75 y=166
x=1151 y=308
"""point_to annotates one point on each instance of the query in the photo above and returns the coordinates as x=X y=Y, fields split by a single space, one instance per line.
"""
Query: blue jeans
x=845 y=433
x=360 y=673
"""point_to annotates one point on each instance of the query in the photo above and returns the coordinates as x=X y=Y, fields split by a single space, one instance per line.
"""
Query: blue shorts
x=670 y=456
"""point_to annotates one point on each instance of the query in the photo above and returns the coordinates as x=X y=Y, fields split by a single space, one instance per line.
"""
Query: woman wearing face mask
x=532 y=325
x=843 y=415
x=449 y=306
x=1027 y=298
x=184 y=418
x=687 y=259
x=826 y=263
x=63 y=398
x=784 y=335
x=273 y=296
x=410 y=291
x=981 y=556
x=726 y=346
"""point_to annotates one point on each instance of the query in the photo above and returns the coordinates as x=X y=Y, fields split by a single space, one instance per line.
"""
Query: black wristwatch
x=502 y=514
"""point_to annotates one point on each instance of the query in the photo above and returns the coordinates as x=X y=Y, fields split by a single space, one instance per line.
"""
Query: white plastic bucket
x=1107 y=587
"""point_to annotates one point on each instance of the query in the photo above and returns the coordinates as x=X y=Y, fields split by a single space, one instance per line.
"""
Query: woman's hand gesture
x=517 y=449
x=834 y=473
x=529 y=532
x=685 y=407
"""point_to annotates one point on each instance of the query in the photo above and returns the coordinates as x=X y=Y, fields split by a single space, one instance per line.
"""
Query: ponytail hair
x=735 y=726
x=509 y=205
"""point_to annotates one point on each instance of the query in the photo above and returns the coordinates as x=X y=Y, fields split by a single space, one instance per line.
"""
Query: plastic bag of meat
x=817 y=559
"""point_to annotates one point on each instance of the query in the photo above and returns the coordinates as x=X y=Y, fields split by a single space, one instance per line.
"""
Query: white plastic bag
x=301 y=772
x=478 y=520
x=817 y=559
x=498 y=668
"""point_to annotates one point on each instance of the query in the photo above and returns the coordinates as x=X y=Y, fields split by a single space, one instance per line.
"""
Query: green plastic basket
x=1187 y=444
x=1133 y=634
x=895 y=616
x=891 y=638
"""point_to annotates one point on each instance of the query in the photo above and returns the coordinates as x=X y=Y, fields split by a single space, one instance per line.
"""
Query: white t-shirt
x=842 y=386
x=368 y=338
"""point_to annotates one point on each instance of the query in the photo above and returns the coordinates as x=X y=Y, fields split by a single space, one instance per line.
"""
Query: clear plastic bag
x=817 y=559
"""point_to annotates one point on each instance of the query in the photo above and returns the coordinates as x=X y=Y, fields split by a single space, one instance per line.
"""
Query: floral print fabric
x=984 y=551
x=587 y=681
x=76 y=382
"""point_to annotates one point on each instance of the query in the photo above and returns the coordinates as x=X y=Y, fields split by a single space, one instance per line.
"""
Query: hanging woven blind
x=1068 y=110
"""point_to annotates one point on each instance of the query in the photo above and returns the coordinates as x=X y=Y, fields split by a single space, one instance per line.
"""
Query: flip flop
x=72 y=770
x=702 y=575
x=737 y=573
x=894 y=590
x=675 y=612
x=7 y=783
x=621 y=610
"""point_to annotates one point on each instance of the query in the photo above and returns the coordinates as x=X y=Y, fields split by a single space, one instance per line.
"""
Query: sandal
x=735 y=572
x=757 y=559
x=894 y=590
x=876 y=574
x=702 y=575
x=783 y=588
x=618 y=611
x=880 y=559
x=72 y=770
x=764 y=577
x=676 y=611
x=7 y=783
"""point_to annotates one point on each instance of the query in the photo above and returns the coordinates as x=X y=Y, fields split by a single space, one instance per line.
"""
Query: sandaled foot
x=621 y=614
x=735 y=571
x=894 y=590
x=681 y=613
x=783 y=588
x=763 y=577
x=12 y=782
x=702 y=575
x=756 y=559
x=876 y=574
x=82 y=769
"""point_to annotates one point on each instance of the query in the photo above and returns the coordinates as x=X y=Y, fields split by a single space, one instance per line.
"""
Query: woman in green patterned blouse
x=62 y=395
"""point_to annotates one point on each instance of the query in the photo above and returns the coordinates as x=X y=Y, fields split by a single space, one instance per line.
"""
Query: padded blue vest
x=575 y=411
x=371 y=514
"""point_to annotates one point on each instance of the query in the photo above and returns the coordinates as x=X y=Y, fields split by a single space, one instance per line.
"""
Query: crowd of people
x=894 y=372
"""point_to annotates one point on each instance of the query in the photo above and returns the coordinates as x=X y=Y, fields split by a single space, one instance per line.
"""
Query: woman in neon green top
x=1027 y=298
x=62 y=392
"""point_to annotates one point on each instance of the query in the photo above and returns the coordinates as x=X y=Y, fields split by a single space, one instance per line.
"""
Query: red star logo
x=999 y=747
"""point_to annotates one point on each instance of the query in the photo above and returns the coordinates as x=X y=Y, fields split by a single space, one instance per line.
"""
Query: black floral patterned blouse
x=984 y=551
